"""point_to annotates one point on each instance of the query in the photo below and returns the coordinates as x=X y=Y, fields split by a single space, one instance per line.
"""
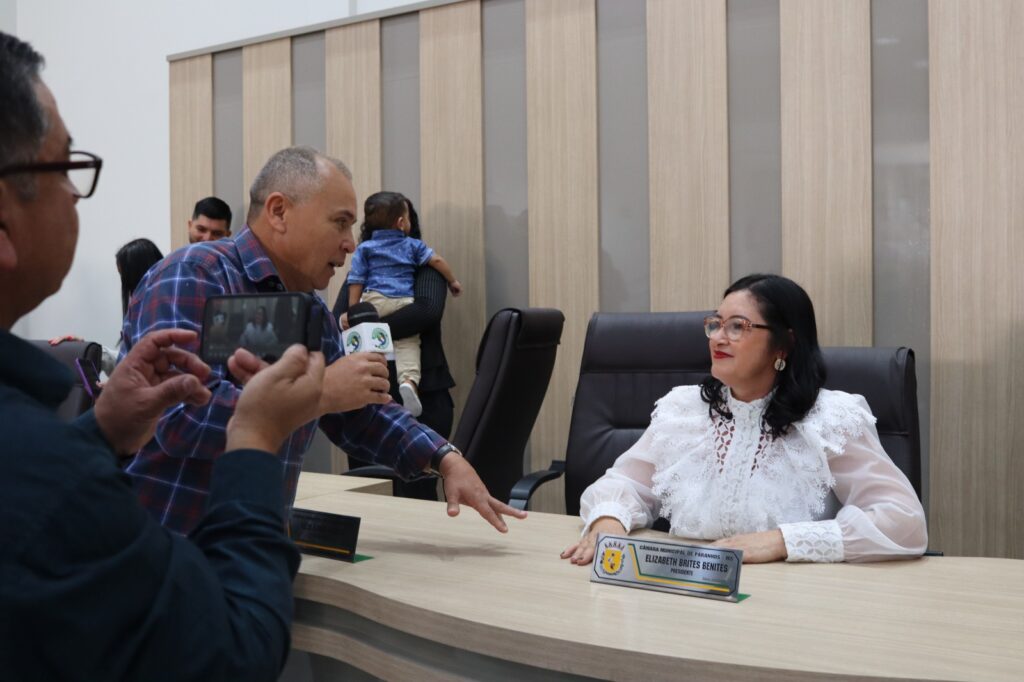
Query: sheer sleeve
x=881 y=517
x=624 y=492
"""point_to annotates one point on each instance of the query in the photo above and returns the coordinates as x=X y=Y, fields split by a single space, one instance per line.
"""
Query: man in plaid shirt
x=302 y=212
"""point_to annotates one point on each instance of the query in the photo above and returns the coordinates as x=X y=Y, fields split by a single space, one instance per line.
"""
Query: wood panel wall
x=452 y=172
x=977 y=240
x=266 y=104
x=561 y=125
x=826 y=162
x=688 y=143
x=191 y=139
x=977 y=292
x=353 y=126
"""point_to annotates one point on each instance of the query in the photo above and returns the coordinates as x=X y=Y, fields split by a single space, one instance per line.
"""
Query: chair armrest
x=522 y=491
x=372 y=471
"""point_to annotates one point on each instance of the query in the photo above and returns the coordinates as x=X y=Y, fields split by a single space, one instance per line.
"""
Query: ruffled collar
x=746 y=411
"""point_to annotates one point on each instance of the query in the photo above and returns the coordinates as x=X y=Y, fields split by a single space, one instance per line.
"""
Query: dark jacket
x=92 y=588
x=423 y=317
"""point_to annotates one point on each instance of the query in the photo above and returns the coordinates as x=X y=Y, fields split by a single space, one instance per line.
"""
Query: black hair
x=133 y=260
x=266 y=318
x=23 y=121
x=788 y=310
x=381 y=211
x=414 y=221
x=214 y=209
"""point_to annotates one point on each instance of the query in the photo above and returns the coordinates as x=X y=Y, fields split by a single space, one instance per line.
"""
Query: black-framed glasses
x=82 y=170
x=735 y=327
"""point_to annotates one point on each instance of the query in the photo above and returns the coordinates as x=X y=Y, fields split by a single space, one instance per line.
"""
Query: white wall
x=107 y=66
x=9 y=16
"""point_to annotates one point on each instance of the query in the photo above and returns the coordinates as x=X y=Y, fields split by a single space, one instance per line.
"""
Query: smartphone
x=90 y=377
x=265 y=324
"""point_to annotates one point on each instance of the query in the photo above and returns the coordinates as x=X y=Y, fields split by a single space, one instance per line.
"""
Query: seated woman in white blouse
x=760 y=457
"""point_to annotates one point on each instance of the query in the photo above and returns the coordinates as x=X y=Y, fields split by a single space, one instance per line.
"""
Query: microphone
x=366 y=333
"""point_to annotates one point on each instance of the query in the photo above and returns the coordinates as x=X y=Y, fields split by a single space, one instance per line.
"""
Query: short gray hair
x=293 y=171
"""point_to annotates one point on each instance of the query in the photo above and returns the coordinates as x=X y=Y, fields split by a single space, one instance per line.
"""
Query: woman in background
x=423 y=317
x=133 y=260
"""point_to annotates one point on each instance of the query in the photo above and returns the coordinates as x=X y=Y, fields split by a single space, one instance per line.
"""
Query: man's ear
x=8 y=254
x=275 y=207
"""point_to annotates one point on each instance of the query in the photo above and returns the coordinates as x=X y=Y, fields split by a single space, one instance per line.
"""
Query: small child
x=383 y=272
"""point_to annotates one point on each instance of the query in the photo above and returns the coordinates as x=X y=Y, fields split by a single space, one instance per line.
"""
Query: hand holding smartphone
x=264 y=324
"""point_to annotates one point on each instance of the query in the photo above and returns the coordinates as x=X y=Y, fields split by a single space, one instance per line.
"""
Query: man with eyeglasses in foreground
x=91 y=587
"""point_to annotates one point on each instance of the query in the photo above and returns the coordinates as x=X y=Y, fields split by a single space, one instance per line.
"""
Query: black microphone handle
x=362 y=312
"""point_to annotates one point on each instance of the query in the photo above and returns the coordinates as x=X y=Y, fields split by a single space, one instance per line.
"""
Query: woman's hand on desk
x=462 y=485
x=758 y=548
x=582 y=553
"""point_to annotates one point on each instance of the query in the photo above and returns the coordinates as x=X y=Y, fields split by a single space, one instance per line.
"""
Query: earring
x=780 y=364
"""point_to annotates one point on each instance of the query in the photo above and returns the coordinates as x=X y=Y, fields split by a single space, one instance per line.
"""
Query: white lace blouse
x=827 y=484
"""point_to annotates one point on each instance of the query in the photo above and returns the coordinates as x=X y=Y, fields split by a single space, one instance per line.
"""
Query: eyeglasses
x=82 y=169
x=735 y=327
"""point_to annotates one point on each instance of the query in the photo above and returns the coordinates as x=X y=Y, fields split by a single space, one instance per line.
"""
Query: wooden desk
x=447 y=599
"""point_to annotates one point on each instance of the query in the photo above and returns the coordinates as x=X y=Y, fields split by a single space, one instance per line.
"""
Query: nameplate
x=698 y=571
x=328 y=535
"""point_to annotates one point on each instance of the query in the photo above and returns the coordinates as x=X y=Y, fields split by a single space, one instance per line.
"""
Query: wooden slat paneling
x=561 y=118
x=977 y=284
x=826 y=162
x=688 y=152
x=191 y=137
x=451 y=172
x=266 y=104
x=353 y=126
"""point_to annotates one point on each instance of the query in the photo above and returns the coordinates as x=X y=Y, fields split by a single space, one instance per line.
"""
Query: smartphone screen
x=265 y=324
x=90 y=377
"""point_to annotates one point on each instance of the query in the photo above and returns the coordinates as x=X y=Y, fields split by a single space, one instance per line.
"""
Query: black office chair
x=630 y=360
x=78 y=401
x=513 y=368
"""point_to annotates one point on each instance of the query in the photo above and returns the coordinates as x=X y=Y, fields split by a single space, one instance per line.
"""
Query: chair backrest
x=887 y=378
x=513 y=368
x=629 y=361
x=632 y=359
x=78 y=401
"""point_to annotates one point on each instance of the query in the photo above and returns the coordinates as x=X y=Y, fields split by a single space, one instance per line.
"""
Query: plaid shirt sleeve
x=173 y=297
x=381 y=434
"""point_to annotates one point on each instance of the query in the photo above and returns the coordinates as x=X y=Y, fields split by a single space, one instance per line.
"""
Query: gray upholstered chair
x=78 y=401
x=513 y=368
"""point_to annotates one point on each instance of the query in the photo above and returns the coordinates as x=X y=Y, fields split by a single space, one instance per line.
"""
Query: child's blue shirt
x=387 y=262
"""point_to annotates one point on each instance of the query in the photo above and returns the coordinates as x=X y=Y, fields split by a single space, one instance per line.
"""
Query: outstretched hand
x=155 y=374
x=462 y=485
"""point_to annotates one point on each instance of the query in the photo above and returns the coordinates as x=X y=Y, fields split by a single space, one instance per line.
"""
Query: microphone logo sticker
x=353 y=343
x=379 y=338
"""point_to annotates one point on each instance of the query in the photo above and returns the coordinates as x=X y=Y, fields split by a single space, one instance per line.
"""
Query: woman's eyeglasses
x=82 y=170
x=735 y=327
